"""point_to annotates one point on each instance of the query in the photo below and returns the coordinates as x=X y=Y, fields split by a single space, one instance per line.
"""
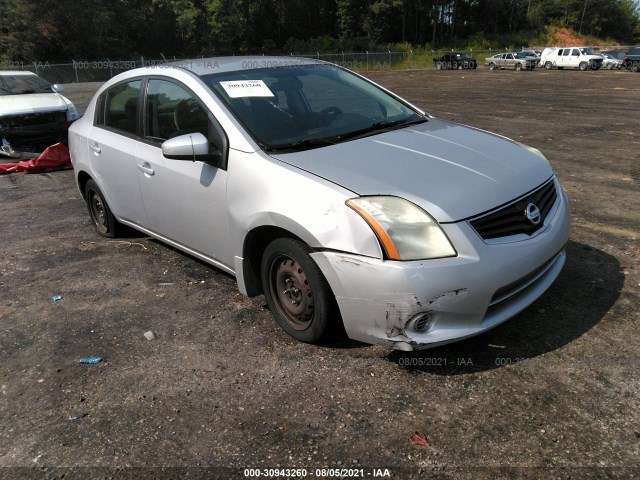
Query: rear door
x=112 y=145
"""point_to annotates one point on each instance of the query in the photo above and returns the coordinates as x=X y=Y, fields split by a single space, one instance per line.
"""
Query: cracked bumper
x=481 y=288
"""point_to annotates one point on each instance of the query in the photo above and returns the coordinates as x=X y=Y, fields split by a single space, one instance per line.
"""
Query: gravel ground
x=553 y=393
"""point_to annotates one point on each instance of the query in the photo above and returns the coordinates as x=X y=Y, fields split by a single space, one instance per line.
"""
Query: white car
x=343 y=203
x=610 y=62
x=33 y=113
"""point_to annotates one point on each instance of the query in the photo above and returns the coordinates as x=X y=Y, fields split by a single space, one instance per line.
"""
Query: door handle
x=95 y=148
x=146 y=168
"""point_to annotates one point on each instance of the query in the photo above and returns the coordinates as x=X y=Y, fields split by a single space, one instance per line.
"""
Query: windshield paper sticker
x=246 y=88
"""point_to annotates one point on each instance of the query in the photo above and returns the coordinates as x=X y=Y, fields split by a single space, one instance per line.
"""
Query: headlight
x=72 y=112
x=405 y=231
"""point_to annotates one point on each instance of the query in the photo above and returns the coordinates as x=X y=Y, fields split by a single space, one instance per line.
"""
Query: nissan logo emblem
x=532 y=212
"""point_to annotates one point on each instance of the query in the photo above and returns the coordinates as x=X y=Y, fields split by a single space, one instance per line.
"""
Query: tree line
x=61 y=30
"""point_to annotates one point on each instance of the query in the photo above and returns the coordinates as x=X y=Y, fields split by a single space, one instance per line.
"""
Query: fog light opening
x=421 y=322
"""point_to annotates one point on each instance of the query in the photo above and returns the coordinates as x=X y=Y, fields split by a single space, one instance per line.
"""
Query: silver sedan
x=345 y=205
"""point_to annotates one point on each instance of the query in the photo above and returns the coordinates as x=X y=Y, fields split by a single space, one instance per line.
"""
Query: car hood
x=31 y=103
x=450 y=170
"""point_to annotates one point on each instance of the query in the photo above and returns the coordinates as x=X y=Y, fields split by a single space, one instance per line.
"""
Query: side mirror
x=57 y=88
x=190 y=146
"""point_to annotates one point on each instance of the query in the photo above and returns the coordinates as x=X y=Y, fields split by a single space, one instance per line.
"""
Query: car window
x=170 y=110
x=566 y=52
x=23 y=83
x=576 y=52
x=118 y=107
x=509 y=56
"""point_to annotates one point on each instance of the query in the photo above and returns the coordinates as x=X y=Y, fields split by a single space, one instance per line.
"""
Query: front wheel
x=583 y=66
x=548 y=66
x=518 y=66
x=298 y=295
x=101 y=216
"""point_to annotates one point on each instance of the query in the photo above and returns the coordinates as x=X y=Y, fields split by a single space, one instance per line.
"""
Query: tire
x=460 y=66
x=548 y=65
x=492 y=66
x=101 y=216
x=518 y=66
x=583 y=66
x=297 y=292
x=438 y=66
x=635 y=67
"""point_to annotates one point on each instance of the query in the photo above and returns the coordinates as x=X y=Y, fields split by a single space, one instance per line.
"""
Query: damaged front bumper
x=415 y=305
x=34 y=131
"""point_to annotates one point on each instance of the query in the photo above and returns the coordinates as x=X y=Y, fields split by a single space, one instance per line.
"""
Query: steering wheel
x=326 y=116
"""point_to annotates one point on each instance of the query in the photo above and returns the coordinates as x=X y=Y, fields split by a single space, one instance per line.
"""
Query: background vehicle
x=456 y=60
x=511 y=60
x=581 y=58
x=532 y=53
x=631 y=59
x=33 y=114
x=610 y=62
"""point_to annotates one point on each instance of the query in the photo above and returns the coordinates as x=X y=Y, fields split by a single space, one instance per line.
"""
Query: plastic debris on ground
x=76 y=416
x=55 y=298
x=91 y=360
x=55 y=157
x=418 y=438
x=150 y=335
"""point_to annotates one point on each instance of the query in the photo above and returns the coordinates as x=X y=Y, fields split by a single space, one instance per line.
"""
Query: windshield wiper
x=306 y=144
x=379 y=127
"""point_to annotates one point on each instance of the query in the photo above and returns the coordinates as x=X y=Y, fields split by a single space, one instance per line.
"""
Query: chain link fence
x=102 y=70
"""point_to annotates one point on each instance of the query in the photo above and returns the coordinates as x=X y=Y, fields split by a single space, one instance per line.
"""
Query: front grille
x=512 y=219
x=30 y=119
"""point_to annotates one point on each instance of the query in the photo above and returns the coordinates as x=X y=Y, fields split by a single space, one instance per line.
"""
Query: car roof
x=203 y=66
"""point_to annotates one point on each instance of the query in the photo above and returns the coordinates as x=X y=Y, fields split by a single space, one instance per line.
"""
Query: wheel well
x=83 y=178
x=255 y=243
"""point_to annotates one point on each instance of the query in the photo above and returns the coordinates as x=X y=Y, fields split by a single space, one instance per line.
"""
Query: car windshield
x=522 y=55
x=310 y=106
x=16 y=84
x=587 y=51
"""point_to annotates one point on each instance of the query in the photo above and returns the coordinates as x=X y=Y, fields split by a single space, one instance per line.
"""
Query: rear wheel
x=297 y=292
x=635 y=67
x=438 y=66
x=492 y=66
x=103 y=220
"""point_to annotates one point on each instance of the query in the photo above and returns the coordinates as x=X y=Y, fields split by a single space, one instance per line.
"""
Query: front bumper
x=34 y=132
x=481 y=288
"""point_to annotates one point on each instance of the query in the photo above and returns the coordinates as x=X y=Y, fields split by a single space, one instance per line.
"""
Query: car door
x=185 y=200
x=112 y=145
x=509 y=61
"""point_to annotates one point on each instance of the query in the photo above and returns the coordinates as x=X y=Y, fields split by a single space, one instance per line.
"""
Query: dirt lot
x=553 y=393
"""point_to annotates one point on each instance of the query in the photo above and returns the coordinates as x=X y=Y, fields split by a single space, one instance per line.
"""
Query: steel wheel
x=101 y=216
x=298 y=294
x=492 y=66
x=294 y=297
x=548 y=66
x=518 y=66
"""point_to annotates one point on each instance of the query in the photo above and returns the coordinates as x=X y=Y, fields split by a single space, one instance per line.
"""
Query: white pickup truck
x=570 y=57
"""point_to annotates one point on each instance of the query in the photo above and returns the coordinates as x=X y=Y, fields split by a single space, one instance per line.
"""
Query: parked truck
x=582 y=58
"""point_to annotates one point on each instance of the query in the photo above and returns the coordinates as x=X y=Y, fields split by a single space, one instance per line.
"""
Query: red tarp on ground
x=55 y=157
